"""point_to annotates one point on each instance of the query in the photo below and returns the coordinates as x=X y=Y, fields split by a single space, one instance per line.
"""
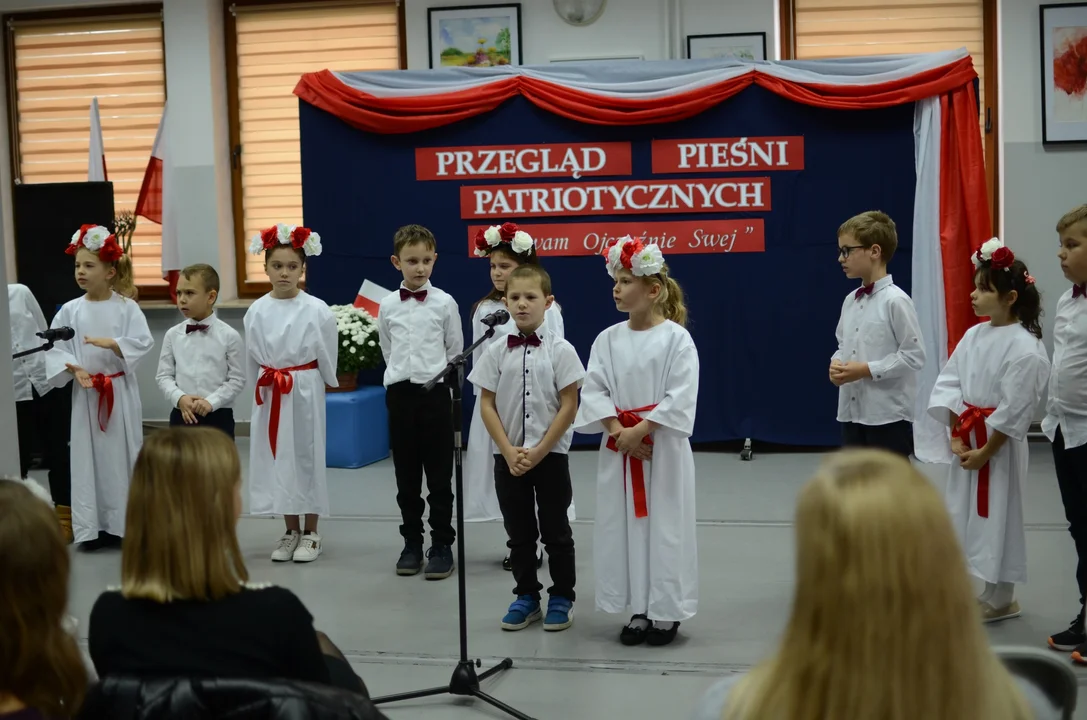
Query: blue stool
x=358 y=427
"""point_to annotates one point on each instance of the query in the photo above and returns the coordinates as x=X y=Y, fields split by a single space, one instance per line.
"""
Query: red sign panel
x=678 y=237
x=728 y=154
x=616 y=198
x=572 y=160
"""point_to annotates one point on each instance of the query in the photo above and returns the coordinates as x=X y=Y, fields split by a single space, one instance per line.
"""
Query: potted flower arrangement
x=358 y=345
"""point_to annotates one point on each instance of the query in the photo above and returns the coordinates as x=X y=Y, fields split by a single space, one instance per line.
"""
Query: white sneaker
x=308 y=549
x=287 y=545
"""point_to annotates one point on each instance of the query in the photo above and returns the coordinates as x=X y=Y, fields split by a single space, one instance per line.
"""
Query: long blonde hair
x=123 y=281
x=670 y=301
x=180 y=527
x=883 y=614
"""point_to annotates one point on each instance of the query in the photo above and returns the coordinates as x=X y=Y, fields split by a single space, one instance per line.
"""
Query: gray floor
x=401 y=633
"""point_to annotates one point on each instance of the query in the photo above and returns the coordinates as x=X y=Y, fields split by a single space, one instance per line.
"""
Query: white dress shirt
x=26 y=321
x=880 y=329
x=526 y=381
x=204 y=363
x=1067 y=404
x=418 y=337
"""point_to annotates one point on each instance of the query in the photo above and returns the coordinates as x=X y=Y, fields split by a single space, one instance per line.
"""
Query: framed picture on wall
x=475 y=35
x=742 y=46
x=1064 y=73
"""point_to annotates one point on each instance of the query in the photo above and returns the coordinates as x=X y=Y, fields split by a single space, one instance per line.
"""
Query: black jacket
x=117 y=698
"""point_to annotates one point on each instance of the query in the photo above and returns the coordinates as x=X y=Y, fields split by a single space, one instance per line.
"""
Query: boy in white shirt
x=420 y=332
x=528 y=399
x=1065 y=423
x=880 y=348
x=200 y=367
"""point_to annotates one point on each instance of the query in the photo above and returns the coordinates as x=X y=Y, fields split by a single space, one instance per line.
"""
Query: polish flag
x=96 y=160
x=370 y=297
x=151 y=205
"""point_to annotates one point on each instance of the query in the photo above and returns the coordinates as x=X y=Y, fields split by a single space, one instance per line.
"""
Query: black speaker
x=46 y=216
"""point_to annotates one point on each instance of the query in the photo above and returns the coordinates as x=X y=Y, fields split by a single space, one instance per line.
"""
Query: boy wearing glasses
x=880 y=348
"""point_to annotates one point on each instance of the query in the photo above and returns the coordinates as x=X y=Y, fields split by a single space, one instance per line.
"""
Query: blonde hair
x=1072 y=217
x=873 y=228
x=40 y=663
x=670 y=301
x=883 y=609
x=124 y=279
x=180 y=536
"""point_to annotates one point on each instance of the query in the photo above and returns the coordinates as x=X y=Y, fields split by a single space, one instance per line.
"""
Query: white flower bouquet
x=358 y=342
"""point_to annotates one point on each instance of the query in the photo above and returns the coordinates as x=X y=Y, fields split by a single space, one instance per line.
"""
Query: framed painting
x=475 y=35
x=1064 y=73
x=742 y=46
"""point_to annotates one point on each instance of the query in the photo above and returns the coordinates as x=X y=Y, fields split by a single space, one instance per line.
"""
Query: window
x=57 y=66
x=817 y=29
x=269 y=48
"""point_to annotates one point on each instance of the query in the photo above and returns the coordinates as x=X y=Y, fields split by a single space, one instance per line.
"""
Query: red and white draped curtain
x=951 y=213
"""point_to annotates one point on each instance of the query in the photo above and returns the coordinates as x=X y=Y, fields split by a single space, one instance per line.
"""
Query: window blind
x=60 y=67
x=274 y=47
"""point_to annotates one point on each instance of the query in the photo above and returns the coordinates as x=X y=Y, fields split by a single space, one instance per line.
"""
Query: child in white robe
x=988 y=392
x=291 y=355
x=641 y=391
x=497 y=244
x=111 y=338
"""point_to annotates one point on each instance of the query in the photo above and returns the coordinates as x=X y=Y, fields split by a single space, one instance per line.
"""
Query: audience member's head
x=180 y=527
x=40 y=664
x=884 y=623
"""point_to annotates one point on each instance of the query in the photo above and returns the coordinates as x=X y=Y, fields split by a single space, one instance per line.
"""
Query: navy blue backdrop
x=763 y=322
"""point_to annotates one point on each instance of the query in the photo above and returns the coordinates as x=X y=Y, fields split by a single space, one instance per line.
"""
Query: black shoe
x=411 y=560
x=657 y=637
x=1070 y=639
x=440 y=562
x=104 y=541
x=631 y=635
x=506 y=565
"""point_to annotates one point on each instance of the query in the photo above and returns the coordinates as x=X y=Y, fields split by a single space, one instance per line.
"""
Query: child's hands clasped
x=81 y=376
x=958 y=446
x=191 y=406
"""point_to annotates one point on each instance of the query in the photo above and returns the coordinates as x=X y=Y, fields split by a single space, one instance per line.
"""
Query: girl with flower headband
x=641 y=391
x=111 y=339
x=987 y=392
x=506 y=247
x=291 y=352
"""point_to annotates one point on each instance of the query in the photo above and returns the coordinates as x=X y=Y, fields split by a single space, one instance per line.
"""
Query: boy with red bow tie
x=420 y=332
x=200 y=366
x=880 y=348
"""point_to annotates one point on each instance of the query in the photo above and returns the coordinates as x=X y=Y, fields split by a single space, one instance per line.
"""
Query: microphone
x=62 y=333
x=498 y=317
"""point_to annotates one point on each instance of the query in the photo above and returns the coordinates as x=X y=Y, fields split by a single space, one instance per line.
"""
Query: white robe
x=1004 y=368
x=282 y=334
x=649 y=564
x=480 y=497
x=101 y=462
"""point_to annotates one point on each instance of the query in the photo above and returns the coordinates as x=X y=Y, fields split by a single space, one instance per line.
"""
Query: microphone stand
x=464 y=680
x=47 y=346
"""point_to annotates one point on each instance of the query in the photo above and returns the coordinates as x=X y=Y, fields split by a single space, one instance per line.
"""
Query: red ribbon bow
x=104 y=385
x=864 y=290
x=406 y=294
x=195 y=328
x=281 y=382
x=973 y=418
x=628 y=419
x=515 y=341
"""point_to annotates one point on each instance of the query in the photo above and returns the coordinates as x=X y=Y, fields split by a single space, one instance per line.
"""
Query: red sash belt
x=104 y=385
x=282 y=382
x=973 y=418
x=628 y=419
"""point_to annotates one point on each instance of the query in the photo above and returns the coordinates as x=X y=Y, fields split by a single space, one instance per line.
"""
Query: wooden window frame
x=990 y=138
x=246 y=288
x=146 y=292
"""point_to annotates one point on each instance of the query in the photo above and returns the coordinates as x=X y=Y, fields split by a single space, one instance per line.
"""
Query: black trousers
x=896 y=437
x=46 y=421
x=223 y=419
x=421 y=440
x=1071 y=466
x=547 y=485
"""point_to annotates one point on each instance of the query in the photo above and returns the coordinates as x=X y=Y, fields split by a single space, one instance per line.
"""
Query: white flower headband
x=283 y=234
x=994 y=252
x=98 y=240
x=518 y=240
x=634 y=255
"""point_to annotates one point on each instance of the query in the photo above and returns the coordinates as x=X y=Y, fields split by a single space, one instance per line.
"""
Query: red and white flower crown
x=634 y=255
x=994 y=252
x=507 y=233
x=98 y=240
x=283 y=234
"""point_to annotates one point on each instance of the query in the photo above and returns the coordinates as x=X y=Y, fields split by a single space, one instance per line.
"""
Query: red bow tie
x=195 y=328
x=514 y=341
x=862 y=291
x=1079 y=290
x=406 y=294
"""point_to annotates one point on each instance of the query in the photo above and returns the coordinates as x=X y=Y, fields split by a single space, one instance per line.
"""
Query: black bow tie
x=1079 y=290
x=406 y=294
x=862 y=291
x=515 y=341
x=195 y=328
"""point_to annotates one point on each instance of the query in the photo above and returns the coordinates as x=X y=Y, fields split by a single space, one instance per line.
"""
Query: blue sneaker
x=560 y=614
x=524 y=611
